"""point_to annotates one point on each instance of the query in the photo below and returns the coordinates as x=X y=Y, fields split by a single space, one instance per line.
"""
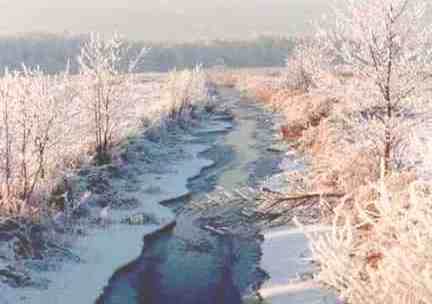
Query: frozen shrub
x=306 y=67
x=183 y=93
x=36 y=112
x=380 y=252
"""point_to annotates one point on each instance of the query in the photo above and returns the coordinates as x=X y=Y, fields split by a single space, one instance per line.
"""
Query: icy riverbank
x=102 y=250
x=287 y=257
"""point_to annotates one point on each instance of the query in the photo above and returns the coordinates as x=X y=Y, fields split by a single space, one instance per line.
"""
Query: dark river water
x=189 y=265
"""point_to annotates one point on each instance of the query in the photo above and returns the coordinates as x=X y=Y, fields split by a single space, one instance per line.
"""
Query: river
x=189 y=265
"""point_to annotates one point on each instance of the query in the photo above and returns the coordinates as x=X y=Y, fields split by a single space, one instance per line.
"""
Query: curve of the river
x=188 y=265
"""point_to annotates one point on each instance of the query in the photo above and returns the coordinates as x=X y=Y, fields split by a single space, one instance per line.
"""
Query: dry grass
x=223 y=77
x=379 y=249
x=356 y=125
x=314 y=123
x=381 y=253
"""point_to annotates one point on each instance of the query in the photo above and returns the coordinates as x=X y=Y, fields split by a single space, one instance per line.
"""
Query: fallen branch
x=304 y=195
x=311 y=195
x=296 y=197
x=219 y=231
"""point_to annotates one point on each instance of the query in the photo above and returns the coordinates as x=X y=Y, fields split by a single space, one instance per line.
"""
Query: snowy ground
x=104 y=250
x=287 y=257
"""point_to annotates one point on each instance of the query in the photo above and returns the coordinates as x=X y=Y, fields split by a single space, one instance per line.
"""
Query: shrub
x=381 y=252
x=36 y=141
x=183 y=93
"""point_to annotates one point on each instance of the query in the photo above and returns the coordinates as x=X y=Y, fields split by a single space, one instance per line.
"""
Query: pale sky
x=162 y=20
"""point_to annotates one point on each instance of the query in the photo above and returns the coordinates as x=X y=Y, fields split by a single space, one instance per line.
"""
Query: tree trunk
x=387 y=152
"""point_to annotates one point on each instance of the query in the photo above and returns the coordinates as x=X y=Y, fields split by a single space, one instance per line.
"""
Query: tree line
x=53 y=52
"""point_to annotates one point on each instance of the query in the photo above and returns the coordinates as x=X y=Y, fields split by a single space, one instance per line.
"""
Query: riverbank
x=155 y=172
x=159 y=178
x=191 y=264
x=286 y=255
x=287 y=261
x=287 y=258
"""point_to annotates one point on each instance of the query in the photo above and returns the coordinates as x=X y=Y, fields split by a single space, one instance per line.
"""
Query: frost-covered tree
x=307 y=67
x=35 y=123
x=386 y=45
x=50 y=124
x=103 y=63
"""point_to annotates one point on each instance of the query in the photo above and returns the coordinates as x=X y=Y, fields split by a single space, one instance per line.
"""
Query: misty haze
x=161 y=20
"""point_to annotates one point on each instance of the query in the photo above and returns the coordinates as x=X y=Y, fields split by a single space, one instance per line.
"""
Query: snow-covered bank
x=104 y=249
x=286 y=254
x=286 y=258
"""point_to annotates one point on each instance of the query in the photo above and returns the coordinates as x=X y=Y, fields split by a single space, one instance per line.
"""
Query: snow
x=215 y=127
x=104 y=250
x=286 y=258
x=286 y=253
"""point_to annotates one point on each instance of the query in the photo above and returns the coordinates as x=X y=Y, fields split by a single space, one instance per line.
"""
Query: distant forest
x=52 y=53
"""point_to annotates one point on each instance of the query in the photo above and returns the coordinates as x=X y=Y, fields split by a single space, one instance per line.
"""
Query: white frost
x=286 y=258
x=103 y=251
